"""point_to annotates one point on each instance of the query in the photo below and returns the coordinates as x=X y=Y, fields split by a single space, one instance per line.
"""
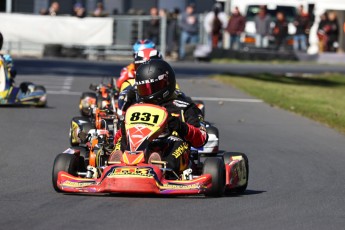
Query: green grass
x=321 y=98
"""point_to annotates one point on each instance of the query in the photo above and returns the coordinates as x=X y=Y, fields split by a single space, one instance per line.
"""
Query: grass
x=321 y=97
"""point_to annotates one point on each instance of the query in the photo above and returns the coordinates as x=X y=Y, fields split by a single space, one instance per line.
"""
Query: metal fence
x=126 y=30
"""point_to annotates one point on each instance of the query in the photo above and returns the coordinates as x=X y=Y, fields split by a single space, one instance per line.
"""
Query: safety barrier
x=27 y=36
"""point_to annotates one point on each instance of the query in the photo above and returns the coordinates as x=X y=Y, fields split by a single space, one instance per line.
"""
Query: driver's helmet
x=1 y=40
x=142 y=44
x=144 y=55
x=155 y=81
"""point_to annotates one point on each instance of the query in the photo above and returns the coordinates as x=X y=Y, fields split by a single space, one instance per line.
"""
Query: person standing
x=152 y=31
x=79 y=10
x=215 y=21
x=300 y=38
x=332 y=31
x=280 y=31
x=235 y=28
x=321 y=32
x=189 y=25
x=99 y=11
x=262 y=26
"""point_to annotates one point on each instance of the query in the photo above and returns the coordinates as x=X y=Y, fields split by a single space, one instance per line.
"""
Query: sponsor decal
x=180 y=150
x=74 y=184
x=159 y=78
x=180 y=186
x=179 y=103
x=127 y=171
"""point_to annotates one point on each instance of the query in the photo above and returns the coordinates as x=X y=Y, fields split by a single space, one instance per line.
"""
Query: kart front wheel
x=216 y=168
x=227 y=159
x=64 y=162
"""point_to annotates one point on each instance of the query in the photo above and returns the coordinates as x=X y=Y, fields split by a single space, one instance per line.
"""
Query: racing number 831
x=144 y=117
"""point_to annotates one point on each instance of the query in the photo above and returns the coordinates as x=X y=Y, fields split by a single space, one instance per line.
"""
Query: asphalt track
x=296 y=165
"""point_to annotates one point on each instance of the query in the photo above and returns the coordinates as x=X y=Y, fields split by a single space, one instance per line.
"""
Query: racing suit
x=127 y=73
x=187 y=128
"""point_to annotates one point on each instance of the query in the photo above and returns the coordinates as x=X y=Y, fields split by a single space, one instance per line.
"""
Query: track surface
x=296 y=168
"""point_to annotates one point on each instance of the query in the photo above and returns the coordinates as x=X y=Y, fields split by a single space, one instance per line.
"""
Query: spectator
x=79 y=10
x=235 y=28
x=214 y=22
x=152 y=31
x=173 y=33
x=262 y=26
x=99 y=11
x=189 y=26
x=321 y=33
x=302 y=23
x=332 y=31
x=54 y=9
x=280 y=31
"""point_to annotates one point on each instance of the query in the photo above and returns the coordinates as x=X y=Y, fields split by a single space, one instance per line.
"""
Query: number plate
x=146 y=114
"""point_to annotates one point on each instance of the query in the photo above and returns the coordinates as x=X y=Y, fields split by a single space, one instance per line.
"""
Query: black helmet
x=155 y=81
x=1 y=40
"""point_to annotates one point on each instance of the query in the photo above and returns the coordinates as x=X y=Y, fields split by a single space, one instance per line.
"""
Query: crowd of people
x=272 y=31
x=77 y=11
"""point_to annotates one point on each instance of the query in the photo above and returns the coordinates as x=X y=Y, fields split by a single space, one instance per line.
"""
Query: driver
x=127 y=91
x=128 y=72
x=156 y=84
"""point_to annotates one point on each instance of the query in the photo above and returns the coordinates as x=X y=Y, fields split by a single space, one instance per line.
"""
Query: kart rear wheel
x=64 y=162
x=40 y=88
x=84 y=157
x=226 y=157
x=216 y=168
x=203 y=106
x=83 y=110
x=24 y=86
x=213 y=130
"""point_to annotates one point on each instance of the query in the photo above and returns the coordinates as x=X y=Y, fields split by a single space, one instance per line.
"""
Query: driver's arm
x=196 y=134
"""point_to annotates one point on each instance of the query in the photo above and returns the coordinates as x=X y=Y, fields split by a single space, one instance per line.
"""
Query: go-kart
x=27 y=93
x=77 y=171
x=99 y=119
x=102 y=97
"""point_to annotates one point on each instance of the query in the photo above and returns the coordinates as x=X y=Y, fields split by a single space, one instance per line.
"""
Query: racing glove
x=175 y=124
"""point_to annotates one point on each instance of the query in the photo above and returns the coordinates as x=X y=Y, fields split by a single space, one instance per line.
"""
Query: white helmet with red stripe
x=145 y=55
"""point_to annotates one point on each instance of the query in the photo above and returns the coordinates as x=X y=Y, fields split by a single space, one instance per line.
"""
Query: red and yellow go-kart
x=132 y=174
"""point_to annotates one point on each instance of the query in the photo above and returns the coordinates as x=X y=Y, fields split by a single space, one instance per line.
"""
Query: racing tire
x=86 y=126
x=84 y=157
x=226 y=157
x=203 y=108
x=64 y=162
x=216 y=168
x=40 y=88
x=213 y=130
x=83 y=111
x=24 y=86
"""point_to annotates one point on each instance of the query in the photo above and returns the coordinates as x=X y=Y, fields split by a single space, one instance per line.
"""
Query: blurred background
x=308 y=30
